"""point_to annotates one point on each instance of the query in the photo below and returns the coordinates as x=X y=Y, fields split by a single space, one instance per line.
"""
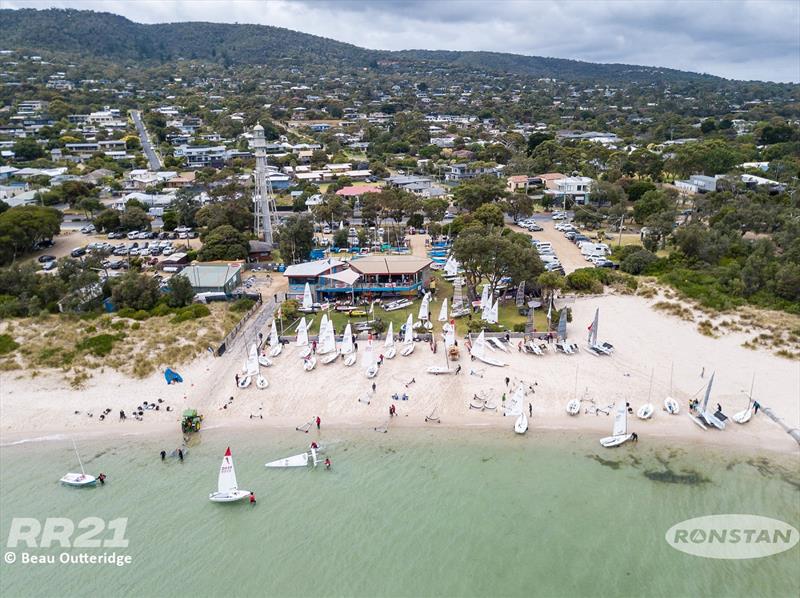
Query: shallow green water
x=410 y=513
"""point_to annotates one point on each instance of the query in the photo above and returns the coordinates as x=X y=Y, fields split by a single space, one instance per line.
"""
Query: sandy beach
x=644 y=339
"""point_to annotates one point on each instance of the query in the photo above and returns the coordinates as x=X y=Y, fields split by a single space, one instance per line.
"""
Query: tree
x=170 y=220
x=470 y=195
x=488 y=256
x=332 y=210
x=27 y=149
x=107 y=220
x=491 y=215
x=233 y=213
x=296 y=238
x=518 y=205
x=187 y=209
x=435 y=208
x=134 y=218
x=224 y=243
x=135 y=290
x=340 y=238
x=635 y=189
x=605 y=193
x=90 y=206
x=181 y=292
x=536 y=139
x=588 y=216
x=22 y=227
x=637 y=262
x=549 y=283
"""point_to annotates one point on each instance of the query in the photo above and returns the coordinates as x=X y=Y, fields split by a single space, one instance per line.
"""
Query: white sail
x=408 y=336
x=347 y=340
x=443 y=311
x=424 y=307
x=251 y=365
x=450 y=336
x=227 y=474
x=302 y=333
x=486 y=308
x=451 y=266
x=514 y=404
x=479 y=346
x=593 y=328
x=493 y=313
x=327 y=339
x=620 y=419
x=293 y=461
x=307 y=301
x=485 y=296
x=520 y=299
x=369 y=356
x=708 y=393
x=389 y=342
x=273 y=335
x=323 y=324
x=562 y=325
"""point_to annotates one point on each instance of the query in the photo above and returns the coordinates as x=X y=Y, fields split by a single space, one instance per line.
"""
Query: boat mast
x=78 y=455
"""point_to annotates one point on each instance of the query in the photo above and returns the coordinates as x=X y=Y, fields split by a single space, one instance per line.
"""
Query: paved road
x=147 y=147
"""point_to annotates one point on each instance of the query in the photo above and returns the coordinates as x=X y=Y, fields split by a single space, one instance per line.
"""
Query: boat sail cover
x=226 y=482
x=369 y=356
x=307 y=302
x=451 y=266
x=302 y=333
x=562 y=324
x=485 y=297
x=521 y=294
x=458 y=296
x=487 y=308
x=443 y=311
x=327 y=339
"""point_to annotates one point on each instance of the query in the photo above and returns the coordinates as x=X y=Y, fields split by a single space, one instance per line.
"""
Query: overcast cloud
x=755 y=39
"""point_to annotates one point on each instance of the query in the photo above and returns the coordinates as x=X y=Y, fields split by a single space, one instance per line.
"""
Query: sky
x=746 y=39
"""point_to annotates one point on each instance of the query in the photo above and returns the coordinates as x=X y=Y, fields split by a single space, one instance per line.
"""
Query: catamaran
x=619 y=433
x=388 y=345
x=227 y=488
x=704 y=417
x=408 y=338
x=478 y=351
x=79 y=480
x=296 y=460
x=596 y=347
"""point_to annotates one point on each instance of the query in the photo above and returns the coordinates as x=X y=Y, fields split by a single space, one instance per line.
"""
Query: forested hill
x=112 y=37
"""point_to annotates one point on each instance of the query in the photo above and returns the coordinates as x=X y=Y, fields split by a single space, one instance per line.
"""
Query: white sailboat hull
x=294 y=461
x=230 y=496
x=276 y=350
x=489 y=360
x=671 y=406
x=78 y=480
x=305 y=352
x=743 y=416
x=372 y=371
x=711 y=420
x=309 y=364
x=245 y=381
x=330 y=358
x=264 y=360
x=612 y=441
x=261 y=382
x=521 y=425
x=350 y=360
x=645 y=411
x=407 y=349
x=437 y=370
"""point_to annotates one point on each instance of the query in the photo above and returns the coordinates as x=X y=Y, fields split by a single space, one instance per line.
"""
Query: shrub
x=520 y=327
x=7 y=344
x=379 y=326
x=126 y=312
x=99 y=345
x=637 y=262
x=585 y=280
x=191 y=312
x=160 y=310
x=242 y=305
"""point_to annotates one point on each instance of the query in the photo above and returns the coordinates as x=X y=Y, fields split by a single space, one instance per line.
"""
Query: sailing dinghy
x=595 y=346
x=704 y=417
x=408 y=339
x=296 y=460
x=478 y=351
x=370 y=362
x=388 y=345
x=274 y=342
x=78 y=480
x=742 y=417
x=619 y=434
x=424 y=308
x=302 y=338
x=521 y=425
x=227 y=488
x=574 y=407
x=348 y=348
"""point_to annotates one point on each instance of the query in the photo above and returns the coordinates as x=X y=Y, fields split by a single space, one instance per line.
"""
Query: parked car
x=46 y=258
x=49 y=265
x=78 y=252
x=132 y=234
x=88 y=230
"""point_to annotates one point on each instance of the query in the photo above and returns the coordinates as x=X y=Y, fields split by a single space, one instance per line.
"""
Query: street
x=147 y=147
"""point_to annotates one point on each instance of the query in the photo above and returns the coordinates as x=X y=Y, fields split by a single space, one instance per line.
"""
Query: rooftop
x=210 y=275
x=389 y=264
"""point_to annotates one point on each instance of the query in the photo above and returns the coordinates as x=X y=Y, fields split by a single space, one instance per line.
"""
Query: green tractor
x=191 y=420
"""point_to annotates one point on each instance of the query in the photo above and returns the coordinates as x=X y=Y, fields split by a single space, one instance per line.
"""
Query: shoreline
x=656 y=355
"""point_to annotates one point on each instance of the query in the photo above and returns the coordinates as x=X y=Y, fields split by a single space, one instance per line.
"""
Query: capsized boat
x=227 y=487
x=78 y=480
x=296 y=460
x=742 y=417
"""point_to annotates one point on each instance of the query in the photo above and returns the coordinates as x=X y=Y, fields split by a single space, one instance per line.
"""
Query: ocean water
x=429 y=512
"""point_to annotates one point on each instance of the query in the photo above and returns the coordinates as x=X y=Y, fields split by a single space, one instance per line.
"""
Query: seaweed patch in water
x=768 y=469
x=687 y=477
x=606 y=462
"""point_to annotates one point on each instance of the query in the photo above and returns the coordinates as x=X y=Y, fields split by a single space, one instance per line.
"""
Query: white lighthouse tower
x=263 y=201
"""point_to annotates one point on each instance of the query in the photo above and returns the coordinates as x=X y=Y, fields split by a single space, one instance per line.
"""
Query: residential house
x=518 y=183
x=697 y=183
x=462 y=172
x=214 y=277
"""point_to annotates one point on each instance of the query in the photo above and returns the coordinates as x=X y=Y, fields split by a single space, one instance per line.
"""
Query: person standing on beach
x=530 y=410
x=703 y=372
x=163 y=455
x=319 y=421
x=507 y=380
x=373 y=388
x=180 y=454
x=236 y=377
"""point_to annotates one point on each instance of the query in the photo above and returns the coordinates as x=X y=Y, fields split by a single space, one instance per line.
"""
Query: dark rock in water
x=689 y=478
x=606 y=462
